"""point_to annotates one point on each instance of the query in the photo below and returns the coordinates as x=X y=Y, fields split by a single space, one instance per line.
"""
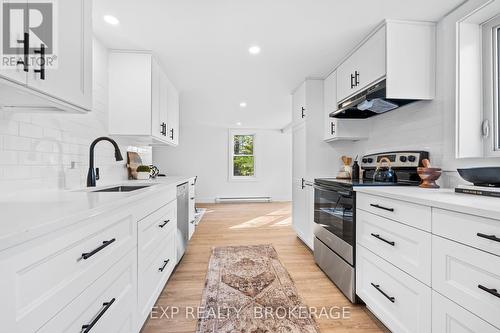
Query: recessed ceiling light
x=111 y=19
x=254 y=49
x=238 y=123
x=243 y=104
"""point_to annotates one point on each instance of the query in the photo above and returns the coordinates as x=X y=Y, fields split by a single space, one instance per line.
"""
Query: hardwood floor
x=246 y=224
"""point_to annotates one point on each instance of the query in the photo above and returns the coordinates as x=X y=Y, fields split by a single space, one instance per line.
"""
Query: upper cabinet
x=143 y=102
x=402 y=53
x=339 y=129
x=49 y=67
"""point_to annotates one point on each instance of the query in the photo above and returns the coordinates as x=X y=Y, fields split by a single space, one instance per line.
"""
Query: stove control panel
x=398 y=159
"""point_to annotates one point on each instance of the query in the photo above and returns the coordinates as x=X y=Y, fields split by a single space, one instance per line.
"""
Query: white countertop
x=440 y=198
x=30 y=214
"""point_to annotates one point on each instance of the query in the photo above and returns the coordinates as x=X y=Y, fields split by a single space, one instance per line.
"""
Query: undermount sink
x=125 y=188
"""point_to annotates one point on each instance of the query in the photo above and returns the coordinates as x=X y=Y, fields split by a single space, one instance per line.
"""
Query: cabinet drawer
x=458 y=271
x=153 y=273
x=401 y=302
x=156 y=227
x=405 y=212
x=112 y=295
x=479 y=232
x=405 y=247
x=38 y=282
x=449 y=317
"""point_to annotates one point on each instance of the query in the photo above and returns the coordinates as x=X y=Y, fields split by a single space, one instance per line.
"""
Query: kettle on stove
x=384 y=172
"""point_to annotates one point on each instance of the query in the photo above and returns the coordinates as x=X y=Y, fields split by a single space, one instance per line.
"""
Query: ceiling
x=203 y=46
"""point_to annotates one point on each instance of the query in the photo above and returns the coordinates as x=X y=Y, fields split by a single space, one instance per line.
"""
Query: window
x=242 y=157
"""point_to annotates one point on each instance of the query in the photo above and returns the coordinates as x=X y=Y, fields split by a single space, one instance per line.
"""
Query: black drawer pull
x=87 y=255
x=376 y=286
x=192 y=222
x=382 y=207
x=494 y=292
x=164 y=223
x=106 y=306
x=490 y=237
x=165 y=263
x=192 y=198
x=383 y=240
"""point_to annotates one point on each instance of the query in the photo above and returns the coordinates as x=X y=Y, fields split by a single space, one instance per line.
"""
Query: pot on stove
x=384 y=172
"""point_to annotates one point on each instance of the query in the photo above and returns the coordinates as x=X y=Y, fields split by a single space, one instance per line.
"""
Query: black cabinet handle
x=383 y=240
x=303 y=114
x=41 y=71
x=165 y=263
x=106 y=306
x=352 y=81
x=164 y=223
x=192 y=222
x=163 y=129
x=356 y=78
x=382 y=207
x=171 y=133
x=192 y=198
x=26 y=46
x=332 y=127
x=494 y=292
x=87 y=255
x=490 y=237
x=390 y=298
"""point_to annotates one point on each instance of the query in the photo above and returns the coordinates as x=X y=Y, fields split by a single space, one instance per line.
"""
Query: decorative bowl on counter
x=486 y=176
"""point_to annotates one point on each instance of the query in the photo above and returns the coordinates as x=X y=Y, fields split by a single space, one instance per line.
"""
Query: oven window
x=334 y=211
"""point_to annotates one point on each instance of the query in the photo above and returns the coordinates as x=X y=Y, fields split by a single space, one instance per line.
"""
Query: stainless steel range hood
x=368 y=103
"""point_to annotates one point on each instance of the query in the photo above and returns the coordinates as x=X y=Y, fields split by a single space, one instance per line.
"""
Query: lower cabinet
x=107 y=306
x=449 y=317
x=101 y=274
x=156 y=256
x=401 y=302
x=460 y=271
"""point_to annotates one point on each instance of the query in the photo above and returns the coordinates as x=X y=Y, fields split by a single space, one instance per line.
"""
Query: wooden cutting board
x=133 y=161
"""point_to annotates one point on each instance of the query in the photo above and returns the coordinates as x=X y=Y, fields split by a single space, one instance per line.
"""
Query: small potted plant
x=143 y=172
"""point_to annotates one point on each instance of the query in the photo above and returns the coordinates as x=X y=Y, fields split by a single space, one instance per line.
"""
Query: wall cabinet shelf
x=143 y=102
x=64 y=84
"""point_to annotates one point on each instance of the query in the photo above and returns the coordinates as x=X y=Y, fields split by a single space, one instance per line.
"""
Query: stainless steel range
x=335 y=213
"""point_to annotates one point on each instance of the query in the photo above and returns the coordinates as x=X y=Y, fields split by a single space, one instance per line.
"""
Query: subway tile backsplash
x=37 y=150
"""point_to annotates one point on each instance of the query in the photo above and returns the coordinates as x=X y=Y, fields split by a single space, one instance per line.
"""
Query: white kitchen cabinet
x=401 y=52
x=192 y=208
x=62 y=84
x=311 y=156
x=364 y=66
x=401 y=302
x=339 y=129
x=467 y=276
x=464 y=267
x=143 y=103
x=449 y=317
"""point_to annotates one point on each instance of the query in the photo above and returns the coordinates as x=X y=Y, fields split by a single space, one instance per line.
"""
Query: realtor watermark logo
x=29 y=27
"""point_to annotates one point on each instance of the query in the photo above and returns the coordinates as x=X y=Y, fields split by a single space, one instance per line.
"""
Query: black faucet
x=91 y=176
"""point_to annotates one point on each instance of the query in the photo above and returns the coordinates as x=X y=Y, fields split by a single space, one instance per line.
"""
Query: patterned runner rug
x=247 y=290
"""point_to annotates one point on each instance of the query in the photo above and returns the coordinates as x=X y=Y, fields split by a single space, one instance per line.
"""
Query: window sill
x=243 y=179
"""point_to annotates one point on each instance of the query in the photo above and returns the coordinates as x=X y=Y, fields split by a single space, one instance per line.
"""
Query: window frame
x=231 y=155
x=491 y=110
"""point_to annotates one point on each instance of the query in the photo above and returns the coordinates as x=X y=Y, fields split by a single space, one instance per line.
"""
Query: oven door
x=334 y=219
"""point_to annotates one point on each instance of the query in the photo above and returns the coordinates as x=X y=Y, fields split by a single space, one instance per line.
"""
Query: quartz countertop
x=440 y=198
x=29 y=214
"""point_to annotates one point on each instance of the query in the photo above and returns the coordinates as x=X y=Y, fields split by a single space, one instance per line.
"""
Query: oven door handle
x=330 y=189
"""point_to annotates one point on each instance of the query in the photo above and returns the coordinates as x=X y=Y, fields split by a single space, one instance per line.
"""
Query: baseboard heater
x=242 y=199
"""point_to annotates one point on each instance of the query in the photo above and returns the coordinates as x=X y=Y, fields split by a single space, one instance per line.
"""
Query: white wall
x=36 y=150
x=203 y=151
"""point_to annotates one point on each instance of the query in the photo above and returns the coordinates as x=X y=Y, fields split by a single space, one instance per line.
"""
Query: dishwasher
x=182 y=219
